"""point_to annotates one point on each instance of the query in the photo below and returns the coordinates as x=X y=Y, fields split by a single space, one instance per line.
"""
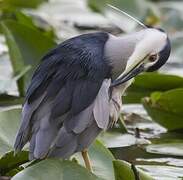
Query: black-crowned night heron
x=75 y=93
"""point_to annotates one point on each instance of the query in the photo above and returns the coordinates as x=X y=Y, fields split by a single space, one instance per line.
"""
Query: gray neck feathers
x=119 y=49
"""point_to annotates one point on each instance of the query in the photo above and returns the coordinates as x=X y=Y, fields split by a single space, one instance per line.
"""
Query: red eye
x=153 y=57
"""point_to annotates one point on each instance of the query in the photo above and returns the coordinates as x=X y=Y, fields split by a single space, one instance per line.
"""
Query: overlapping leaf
x=166 y=108
x=26 y=47
x=147 y=83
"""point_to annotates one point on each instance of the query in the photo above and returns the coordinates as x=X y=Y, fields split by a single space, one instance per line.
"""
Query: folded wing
x=66 y=103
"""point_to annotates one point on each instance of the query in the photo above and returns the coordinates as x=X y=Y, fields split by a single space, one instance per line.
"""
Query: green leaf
x=163 y=172
x=134 y=95
x=9 y=123
x=101 y=160
x=155 y=97
x=114 y=139
x=123 y=171
x=20 y=3
x=6 y=100
x=170 y=143
x=167 y=119
x=172 y=101
x=171 y=148
x=167 y=109
x=55 y=169
x=7 y=84
x=9 y=161
x=26 y=47
x=157 y=81
x=147 y=83
x=33 y=21
x=122 y=125
x=98 y=6
x=16 y=15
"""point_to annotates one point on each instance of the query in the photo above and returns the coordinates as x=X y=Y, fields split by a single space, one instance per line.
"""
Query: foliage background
x=148 y=139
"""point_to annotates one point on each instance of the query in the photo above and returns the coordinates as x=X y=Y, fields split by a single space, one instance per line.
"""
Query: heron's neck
x=119 y=49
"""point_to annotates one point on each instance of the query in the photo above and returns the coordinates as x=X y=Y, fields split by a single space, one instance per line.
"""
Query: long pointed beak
x=129 y=75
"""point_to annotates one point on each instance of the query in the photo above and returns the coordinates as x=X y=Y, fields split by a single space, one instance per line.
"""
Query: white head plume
x=126 y=14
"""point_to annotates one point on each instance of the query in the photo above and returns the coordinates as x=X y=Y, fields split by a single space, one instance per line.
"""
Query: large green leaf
x=33 y=21
x=9 y=122
x=55 y=169
x=101 y=160
x=125 y=171
x=166 y=108
x=26 y=47
x=147 y=83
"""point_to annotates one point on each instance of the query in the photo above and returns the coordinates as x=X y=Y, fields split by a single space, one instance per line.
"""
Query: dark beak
x=134 y=72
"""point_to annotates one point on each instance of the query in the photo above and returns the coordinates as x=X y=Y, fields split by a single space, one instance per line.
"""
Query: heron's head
x=151 y=51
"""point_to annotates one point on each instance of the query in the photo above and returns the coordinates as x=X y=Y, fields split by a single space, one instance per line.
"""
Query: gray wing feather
x=32 y=146
x=68 y=143
x=23 y=134
x=102 y=107
x=65 y=145
x=45 y=131
x=66 y=151
x=88 y=136
x=44 y=137
x=81 y=121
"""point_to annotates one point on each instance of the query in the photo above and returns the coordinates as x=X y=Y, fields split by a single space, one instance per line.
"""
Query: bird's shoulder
x=86 y=50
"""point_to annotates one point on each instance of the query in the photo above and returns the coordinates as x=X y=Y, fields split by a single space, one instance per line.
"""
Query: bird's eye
x=153 y=57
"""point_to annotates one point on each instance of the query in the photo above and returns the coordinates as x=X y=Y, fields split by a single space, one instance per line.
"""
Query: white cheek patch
x=149 y=64
x=152 y=43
